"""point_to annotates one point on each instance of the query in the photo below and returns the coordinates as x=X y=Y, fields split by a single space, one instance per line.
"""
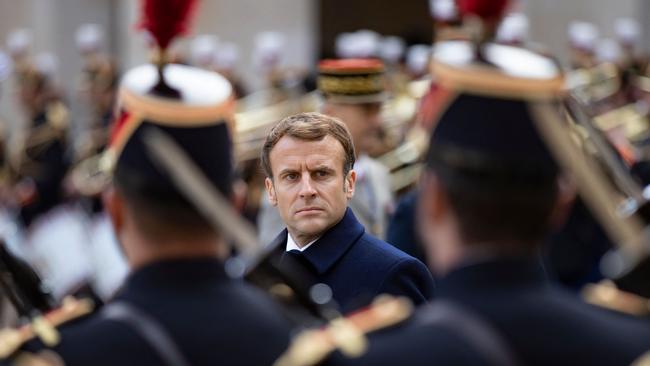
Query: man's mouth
x=309 y=210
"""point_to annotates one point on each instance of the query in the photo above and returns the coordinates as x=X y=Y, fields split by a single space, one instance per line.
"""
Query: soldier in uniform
x=96 y=91
x=41 y=162
x=178 y=305
x=490 y=195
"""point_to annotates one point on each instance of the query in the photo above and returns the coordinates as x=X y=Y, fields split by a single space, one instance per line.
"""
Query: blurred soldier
x=225 y=62
x=5 y=71
x=447 y=20
x=96 y=92
x=308 y=159
x=391 y=51
x=210 y=53
x=202 y=50
x=489 y=197
x=582 y=39
x=19 y=44
x=54 y=237
x=178 y=306
x=40 y=161
x=278 y=82
x=18 y=47
x=417 y=61
x=514 y=30
x=628 y=34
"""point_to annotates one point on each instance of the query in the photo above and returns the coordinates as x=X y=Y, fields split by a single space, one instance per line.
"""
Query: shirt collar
x=291 y=244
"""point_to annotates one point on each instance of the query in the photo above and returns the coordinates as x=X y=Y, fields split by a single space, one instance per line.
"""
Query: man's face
x=363 y=121
x=308 y=185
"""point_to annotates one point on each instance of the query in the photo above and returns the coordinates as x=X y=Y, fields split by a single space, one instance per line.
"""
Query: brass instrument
x=603 y=171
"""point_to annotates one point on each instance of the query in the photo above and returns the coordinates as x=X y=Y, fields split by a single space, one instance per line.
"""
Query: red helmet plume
x=165 y=19
x=484 y=9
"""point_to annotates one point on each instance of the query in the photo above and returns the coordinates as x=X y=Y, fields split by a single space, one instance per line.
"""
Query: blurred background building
x=310 y=26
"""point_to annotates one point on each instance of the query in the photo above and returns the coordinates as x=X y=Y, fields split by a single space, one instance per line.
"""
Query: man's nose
x=306 y=187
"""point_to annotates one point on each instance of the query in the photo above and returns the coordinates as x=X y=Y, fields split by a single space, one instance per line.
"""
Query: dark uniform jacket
x=212 y=319
x=539 y=323
x=402 y=231
x=358 y=266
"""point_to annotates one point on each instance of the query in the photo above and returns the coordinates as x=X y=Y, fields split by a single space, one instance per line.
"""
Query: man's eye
x=322 y=173
x=291 y=176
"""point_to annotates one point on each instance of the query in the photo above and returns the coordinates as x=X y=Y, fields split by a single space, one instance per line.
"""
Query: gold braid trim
x=361 y=84
x=484 y=80
x=176 y=113
x=12 y=339
x=345 y=334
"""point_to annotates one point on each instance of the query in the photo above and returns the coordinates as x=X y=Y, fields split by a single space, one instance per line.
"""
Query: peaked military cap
x=352 y=81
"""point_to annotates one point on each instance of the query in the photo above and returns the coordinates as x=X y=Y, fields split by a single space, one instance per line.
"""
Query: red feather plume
x=166 y=19
x=485 y=9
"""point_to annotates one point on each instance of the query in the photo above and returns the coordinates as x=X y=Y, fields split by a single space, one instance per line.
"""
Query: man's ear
x=270 y=191
x=350 y=181
x=114 y=206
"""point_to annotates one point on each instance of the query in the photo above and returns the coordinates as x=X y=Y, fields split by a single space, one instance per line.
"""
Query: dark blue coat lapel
x=330 y=247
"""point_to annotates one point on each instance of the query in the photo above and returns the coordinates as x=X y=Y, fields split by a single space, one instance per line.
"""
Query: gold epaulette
x=44 y=327
x=605 y=294
x=346 y=334
x=42 y=358
x=644 y=360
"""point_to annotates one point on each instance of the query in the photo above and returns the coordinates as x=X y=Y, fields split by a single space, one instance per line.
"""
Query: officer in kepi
x=308 y=159
x=178 y=306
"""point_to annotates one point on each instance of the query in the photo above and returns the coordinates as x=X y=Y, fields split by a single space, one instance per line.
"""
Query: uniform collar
x=177 y=272
x=332 y=245
x=493 y=274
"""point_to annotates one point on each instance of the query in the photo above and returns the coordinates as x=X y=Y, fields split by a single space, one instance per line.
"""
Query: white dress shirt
x=291 y=244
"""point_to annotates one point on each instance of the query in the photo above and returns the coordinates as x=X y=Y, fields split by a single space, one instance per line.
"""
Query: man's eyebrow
x=286 y=170
x=322 y=167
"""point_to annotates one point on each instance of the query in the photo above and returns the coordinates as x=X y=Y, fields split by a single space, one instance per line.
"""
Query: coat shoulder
x=382 y=252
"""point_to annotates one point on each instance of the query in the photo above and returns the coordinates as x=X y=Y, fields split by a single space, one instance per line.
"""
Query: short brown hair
x=310 y=127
